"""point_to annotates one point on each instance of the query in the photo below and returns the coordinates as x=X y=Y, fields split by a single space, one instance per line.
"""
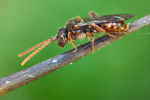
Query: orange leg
x=70 y=41
x=93 y=14
x=77 y=43
x=99 y=29
x=95 y=35
x=35 y=52
x=91 y=39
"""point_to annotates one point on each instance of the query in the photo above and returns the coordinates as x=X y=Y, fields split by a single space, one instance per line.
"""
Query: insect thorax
x=71 y=23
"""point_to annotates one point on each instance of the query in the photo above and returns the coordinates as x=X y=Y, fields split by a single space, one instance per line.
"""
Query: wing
x=105 y=19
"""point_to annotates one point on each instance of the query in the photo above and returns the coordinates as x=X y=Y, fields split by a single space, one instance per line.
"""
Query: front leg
x=70 y=41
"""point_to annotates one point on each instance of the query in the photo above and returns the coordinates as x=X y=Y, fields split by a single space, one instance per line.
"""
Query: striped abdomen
x=115 y=27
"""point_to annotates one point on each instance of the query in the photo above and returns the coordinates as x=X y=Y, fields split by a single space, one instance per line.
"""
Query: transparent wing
x=105 y=19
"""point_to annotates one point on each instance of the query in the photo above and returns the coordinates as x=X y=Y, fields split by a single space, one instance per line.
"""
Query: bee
x=80 y=28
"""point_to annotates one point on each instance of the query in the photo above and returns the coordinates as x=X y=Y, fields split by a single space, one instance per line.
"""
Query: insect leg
x=77 y=43
x=93 y=14
x=35 y=52
x=95 y=35
x=70 y=41
x=99 y=29
x=91 y=39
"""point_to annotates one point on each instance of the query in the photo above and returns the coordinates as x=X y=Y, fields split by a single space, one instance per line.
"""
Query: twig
x=28 y=75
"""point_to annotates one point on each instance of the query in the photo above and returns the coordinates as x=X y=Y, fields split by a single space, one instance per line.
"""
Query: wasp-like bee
x=80 y=28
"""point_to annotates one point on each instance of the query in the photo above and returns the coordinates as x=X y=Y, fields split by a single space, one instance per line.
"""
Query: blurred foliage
x=120 y=71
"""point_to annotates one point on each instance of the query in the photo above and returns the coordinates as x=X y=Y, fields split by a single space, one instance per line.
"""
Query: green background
x=120 y=71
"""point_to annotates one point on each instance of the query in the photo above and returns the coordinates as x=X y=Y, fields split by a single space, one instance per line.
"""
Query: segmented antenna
x=34 y=47
x=42 y=44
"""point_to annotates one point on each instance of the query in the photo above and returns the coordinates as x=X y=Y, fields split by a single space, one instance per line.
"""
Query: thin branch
x=28 y=75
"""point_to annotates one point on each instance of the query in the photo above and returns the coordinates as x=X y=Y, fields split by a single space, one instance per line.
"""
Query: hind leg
x=93 y=14
x=99 y=29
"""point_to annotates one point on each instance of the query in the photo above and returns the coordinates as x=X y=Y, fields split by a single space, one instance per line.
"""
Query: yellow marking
x=109 y=25
x=115 y=27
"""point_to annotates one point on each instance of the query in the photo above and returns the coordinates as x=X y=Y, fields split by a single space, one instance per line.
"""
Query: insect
x=80 y=28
